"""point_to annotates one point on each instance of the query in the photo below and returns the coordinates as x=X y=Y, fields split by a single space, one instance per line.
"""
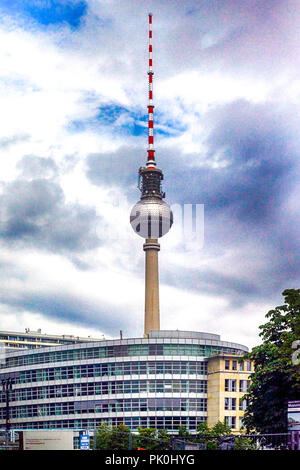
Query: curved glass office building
x=160 y=381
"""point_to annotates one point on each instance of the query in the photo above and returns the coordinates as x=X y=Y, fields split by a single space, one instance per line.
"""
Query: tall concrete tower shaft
x=151 y=217
x=152 y=317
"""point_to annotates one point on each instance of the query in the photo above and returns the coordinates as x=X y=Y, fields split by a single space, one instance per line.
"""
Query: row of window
x=142 y=404
x=21 y=345
x=106 y=406
x=234 y=365
x=231 y=385
x=105 y=388
x=170 y=423
x=119 y=351
x=231 y=403
x=26 y=338
x=111 y=369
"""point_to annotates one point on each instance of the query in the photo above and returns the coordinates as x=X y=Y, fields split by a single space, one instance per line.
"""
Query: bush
x=243 y=443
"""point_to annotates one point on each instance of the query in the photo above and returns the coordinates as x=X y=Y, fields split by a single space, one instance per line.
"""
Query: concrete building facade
x=228 y=380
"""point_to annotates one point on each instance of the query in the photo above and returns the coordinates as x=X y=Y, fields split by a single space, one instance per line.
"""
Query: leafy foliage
x=221 y=429
x=118 y=438
x=276 y=379
x=146 y=439
x=182 y=431
x=209 y=436
x=243 y=443
x=103 y=437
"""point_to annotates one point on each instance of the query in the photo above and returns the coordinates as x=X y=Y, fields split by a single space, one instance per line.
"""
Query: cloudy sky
x=73 y=133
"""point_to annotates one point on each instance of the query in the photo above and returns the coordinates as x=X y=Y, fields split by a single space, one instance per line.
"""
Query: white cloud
x=51 y=78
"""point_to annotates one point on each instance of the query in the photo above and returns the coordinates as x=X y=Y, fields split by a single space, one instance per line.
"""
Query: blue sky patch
x=48 y=12
x=110 y=113
x=123 y=120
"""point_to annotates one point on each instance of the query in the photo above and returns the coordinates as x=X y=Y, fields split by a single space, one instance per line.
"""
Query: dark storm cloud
x=259 y=275
x=250 y=37
x=34 y=213
x=253 y=141
x=115 y=168
x=213 y=283
x=258 y=173
x=62 y=306
x=245 y=198
x=246 y=202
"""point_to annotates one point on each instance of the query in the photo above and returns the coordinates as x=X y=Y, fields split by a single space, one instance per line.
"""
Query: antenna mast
x=151 y=160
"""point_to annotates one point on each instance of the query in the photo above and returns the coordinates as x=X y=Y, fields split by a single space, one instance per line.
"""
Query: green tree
x=276 y=379
x=183 y=432
x=209 y=436
x=205 y=436
x=112 y=438
x=120 y=437
x=103 y=437
x=243 y=443
x=146 y=439
x=221 y=429
x=203 y=429
x=164 y=440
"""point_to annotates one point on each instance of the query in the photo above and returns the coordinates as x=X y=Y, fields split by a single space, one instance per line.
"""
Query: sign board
x=84 y=441
x=294 y=424
x=294 y=415
x=48 y=440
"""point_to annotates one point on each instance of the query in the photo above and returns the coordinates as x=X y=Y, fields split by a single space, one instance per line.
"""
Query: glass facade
x=111 y=369
x=152 y=382
x=117 y=351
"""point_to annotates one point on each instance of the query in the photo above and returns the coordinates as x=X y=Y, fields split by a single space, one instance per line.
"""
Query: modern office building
x=36 y=339
x=165 y=381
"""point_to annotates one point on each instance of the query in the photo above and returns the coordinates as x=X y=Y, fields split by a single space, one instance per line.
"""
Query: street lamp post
x=6 y=388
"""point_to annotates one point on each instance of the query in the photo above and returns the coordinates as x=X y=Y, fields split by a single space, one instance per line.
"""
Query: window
x=249 y=366
x=230 y=421
x=230 y=403
x=242 y=365
x=234 y=365
x=230 y=385
x=227 y=364
x=243 y=385
x=242 y=404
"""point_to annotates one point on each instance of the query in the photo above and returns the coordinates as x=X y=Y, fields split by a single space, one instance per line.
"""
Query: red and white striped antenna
x=151 y=158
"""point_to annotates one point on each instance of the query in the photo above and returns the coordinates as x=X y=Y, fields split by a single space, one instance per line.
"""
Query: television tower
x=151 y=217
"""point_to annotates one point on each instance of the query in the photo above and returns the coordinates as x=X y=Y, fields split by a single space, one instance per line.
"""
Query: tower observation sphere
x=151 y=217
